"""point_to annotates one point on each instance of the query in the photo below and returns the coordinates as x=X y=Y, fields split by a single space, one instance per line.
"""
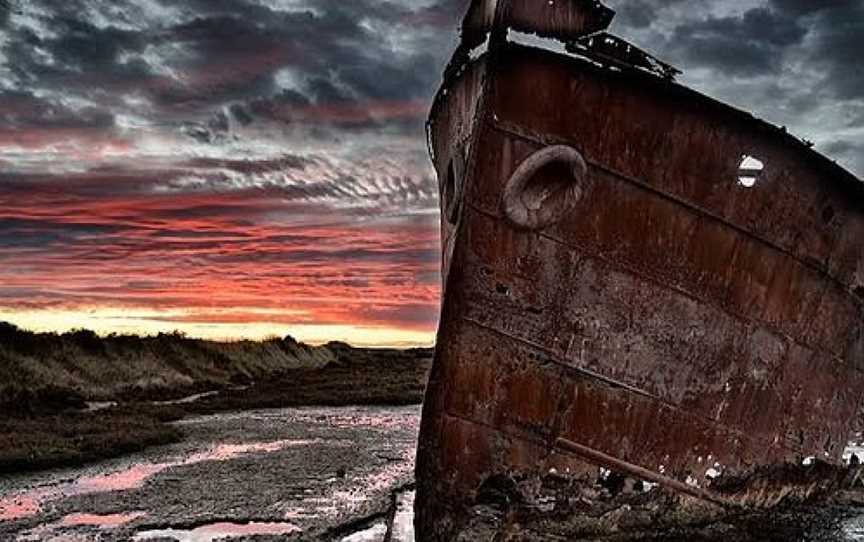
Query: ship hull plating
x=687 y=321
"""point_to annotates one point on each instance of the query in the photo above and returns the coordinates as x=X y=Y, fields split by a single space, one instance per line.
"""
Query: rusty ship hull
x=620 y=294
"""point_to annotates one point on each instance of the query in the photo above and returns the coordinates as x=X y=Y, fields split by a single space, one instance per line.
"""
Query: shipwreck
x=640 y=284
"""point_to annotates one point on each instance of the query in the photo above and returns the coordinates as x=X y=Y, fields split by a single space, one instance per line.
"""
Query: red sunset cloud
x=229 y=170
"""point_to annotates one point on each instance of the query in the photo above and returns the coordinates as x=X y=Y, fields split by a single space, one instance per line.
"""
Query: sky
x=256 y=168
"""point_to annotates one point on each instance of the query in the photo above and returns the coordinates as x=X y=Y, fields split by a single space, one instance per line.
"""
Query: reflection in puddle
x=855 y=449
x=29 y=503
x=358 y=455
x=103 y=522
x=376 y=533
x=216 y=531
x=59 y=531
x=118 y=481
x=375 y=420
x=187 y=400
x=392 y=468
x=51 y=537
x=376 y=482
x=225 y=452
x=96 y=406
x=22 y=506
x=403 y=521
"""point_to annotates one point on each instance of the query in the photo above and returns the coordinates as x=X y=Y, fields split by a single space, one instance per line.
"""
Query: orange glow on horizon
x=145 y=322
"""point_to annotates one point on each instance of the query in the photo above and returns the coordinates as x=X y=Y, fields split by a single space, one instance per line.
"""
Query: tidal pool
x=268 y=472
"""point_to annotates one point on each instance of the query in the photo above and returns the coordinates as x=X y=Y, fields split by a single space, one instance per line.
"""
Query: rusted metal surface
x=564 y=20
x=649 y=314
x=612 y=50
x=535 y=205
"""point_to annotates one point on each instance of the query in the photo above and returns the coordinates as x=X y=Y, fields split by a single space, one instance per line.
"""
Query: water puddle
x=853 y=529
x=375 y=420
x=403 y=521
x=198 y=396
x=376 y=533
x=108 y=521
x=58 y=531
x=45 y=536
x=856 y=449
x=96 y=406
x=376 y=482
x=187 y=400
x=29 y=503
x=217 y=531
x=357 y=458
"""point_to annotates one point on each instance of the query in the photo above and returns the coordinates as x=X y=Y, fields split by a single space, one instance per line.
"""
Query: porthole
x=451 y=187
x=750 y=171
x=545 y=188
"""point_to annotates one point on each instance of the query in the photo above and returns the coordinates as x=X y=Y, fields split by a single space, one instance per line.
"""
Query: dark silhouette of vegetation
x=40 y=371
x=47 y=381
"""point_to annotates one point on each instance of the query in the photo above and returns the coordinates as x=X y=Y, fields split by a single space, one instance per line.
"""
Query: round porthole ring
x=451 y=192
x=517 y=210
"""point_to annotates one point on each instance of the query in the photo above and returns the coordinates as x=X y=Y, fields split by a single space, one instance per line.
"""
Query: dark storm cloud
x=22 y=110
x=837 y=48
x=339 y=58
x=752 y=44
x=806 y=7
x=337 y=62
x=77 y=54
x=82 y=46
x=229 y=53
x=636 y=14
x=220 y=53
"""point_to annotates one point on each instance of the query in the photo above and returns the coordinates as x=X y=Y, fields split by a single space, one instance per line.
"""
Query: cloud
x=636 y=14
x=749 y=45
x=214 y=252
x=806 y=7
x=837 y=48
x=849 y=153
x=264 y=160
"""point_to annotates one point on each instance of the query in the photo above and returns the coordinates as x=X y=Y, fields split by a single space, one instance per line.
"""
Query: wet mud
x=341 y=474
x=328 y=473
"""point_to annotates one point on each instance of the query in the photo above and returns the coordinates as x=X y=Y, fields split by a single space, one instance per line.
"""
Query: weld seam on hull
x=514 y=130
x=618 y=266
x=554 y=358
x=581 y=370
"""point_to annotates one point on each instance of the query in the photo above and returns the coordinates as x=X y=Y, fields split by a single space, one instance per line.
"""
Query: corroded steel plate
x=693 y=319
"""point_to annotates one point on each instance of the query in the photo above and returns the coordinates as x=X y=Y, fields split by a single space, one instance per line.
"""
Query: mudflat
x=311 y=473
